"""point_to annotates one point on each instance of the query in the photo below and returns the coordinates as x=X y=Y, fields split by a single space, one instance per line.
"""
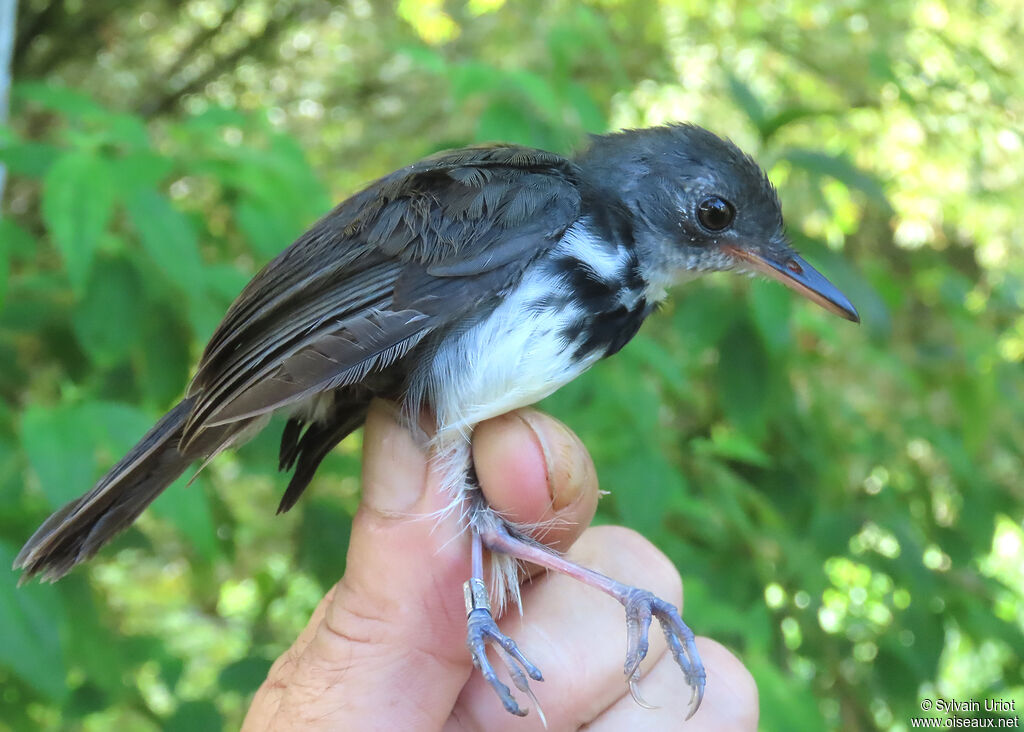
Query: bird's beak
x=800 y=277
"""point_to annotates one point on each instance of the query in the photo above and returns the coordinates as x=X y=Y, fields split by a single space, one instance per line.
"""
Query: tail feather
x=76 y=531
x=305 y=450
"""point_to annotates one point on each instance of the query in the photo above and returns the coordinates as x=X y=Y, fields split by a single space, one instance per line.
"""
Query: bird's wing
x=408 y=255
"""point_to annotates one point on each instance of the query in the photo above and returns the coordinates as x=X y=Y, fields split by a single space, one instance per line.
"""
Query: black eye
x=715 y=213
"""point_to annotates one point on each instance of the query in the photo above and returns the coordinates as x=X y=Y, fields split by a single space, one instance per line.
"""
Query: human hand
x=386 y=648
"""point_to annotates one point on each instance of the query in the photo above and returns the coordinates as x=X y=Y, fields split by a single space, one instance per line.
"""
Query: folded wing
x=396 y=264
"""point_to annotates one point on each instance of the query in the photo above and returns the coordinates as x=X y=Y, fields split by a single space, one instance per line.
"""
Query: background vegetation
x=845 y=504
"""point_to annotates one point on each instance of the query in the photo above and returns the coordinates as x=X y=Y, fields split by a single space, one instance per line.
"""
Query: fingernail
x=394 y=465
x=569 y=468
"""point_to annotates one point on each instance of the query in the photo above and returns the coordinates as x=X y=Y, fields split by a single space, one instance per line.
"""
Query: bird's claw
x=641 y=606
x=634 y=691
x=481 y=630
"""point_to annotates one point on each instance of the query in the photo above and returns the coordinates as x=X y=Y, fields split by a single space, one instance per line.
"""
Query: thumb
x=388 y=643
x=386 y=648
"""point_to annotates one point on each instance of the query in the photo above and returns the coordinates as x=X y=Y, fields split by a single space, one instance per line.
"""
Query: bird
x=465 y=285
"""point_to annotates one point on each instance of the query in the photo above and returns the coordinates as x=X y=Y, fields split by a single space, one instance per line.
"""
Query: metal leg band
x=475 y=592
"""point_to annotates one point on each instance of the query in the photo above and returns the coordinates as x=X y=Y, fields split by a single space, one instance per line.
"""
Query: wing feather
x=407 y=256
x=343 y=357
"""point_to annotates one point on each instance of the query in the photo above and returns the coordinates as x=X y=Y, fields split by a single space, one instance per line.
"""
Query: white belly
x=515 y=357
x=520 y=353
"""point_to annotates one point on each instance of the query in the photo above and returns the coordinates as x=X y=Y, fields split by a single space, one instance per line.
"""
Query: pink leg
x=640 y=607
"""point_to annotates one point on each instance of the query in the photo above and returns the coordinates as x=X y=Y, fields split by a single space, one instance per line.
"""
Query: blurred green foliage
x=844 y=504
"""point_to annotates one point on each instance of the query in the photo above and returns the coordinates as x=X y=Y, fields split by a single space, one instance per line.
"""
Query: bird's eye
x=715 y=214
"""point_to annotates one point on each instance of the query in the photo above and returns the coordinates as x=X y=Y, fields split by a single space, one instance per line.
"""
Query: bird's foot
x=482 y=630
x=641 y=606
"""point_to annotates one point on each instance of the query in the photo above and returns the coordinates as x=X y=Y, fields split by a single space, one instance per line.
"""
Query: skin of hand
x=386 y=648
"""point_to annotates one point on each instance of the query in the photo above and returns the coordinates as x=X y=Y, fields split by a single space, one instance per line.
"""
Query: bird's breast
x=581 y=301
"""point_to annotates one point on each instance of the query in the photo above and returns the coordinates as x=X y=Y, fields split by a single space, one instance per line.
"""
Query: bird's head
x=700 y=204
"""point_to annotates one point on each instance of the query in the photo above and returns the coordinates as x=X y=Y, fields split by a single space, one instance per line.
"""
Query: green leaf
x=11 y=473
x=194 y=716
x=171 y=669
x=742 y=380
x=91 y=646
x=203 y=316
x=225 y=281
x=29 y=642
x=652 y=354
x=323 y=539
x=59 y=442
x=617 y=410
x=245 y=675
x=164 y=358
x=188 y=508
x=112 y=297
x=40 y=303
x=59 y=98
x=777 y=121
x=721 y=618
x=840 y=168
x=5 y=265
x=213 y=119
x=785 y=703
x=508 y=121
x=704 y=316
x=285 y=180
x=468 y=79
x=265 y=229
x=88 y=698
x=78 y=201
x=592 y=117
x=732 y=445
x=126 y=129
x=168 y=237
x=538 y=91
x=30 y=159
x=17 y=243
x=744 y=96
x=140 y=169
x=116 y=426
x=424 y=57
x=770 y=306
x=642 y=483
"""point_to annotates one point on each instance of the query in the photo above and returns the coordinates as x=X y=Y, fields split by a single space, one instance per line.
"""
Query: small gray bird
x=468 y=284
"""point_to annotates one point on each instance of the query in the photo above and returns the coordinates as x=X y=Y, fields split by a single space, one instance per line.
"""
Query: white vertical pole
x=7 y=14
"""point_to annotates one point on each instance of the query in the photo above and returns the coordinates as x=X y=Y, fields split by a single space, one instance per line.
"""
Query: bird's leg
x=641 y=606
x=483 y=630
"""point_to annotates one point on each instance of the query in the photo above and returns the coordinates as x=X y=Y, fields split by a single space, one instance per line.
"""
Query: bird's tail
x=75 y=532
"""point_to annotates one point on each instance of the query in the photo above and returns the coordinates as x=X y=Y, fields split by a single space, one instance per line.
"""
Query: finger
x=404 y=574
x=393 y=636
x=730 y=702
x=305 y=636
x=534 y=470
x=536 y=473
x=267 y=700
x=405 y=566
x=577 y=635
